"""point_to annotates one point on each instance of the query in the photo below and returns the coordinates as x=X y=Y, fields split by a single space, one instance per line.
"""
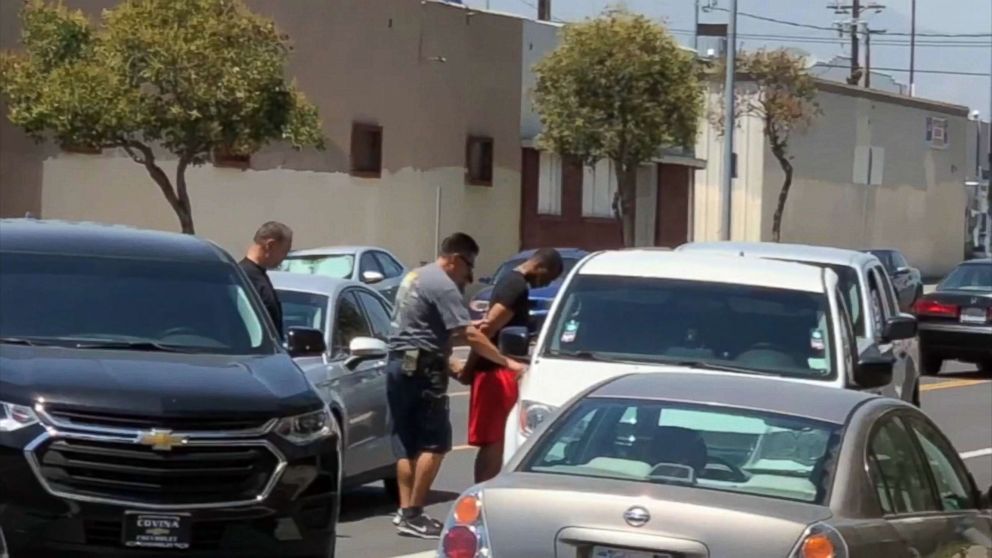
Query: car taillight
x=821 y=541
x=924 y=307
x=465 y=534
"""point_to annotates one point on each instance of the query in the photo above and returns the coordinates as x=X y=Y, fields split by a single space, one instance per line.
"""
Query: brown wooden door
x=672 y=216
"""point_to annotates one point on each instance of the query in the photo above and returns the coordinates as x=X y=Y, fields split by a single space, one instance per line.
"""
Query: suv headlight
x=15 y=417
x=532 y=414
x=307 y=428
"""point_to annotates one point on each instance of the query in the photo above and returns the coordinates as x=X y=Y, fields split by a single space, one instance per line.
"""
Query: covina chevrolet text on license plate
x=157 y=530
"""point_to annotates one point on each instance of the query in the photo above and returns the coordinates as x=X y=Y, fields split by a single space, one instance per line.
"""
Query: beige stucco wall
x=428 y=73
x=746 y=198
x=918 y=207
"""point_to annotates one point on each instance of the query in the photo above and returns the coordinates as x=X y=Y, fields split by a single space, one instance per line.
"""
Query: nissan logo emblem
x=636 y=516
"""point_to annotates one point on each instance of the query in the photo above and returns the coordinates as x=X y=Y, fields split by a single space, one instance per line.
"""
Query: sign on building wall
x=936 y=134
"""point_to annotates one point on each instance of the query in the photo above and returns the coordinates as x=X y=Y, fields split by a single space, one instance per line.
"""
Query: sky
x=889 y=50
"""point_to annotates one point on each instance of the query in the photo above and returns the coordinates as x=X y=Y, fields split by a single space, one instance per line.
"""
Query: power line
x=832 y=40
x=834 y=29
x=906 y=70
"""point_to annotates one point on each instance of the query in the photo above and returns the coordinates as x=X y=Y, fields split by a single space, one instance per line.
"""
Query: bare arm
x=496 y=319
x=481 y=345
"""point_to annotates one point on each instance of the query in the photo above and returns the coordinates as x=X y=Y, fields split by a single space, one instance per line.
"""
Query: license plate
x=157 y=530
x=604 y=552
x=973 y=316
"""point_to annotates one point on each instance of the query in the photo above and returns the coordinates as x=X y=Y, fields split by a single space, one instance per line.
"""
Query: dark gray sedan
x=722 y=465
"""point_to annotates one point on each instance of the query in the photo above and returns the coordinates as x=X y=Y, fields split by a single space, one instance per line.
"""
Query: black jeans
x=419 y=409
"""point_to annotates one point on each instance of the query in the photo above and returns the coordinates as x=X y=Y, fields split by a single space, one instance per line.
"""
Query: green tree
x=784 y=98
x=191 y=77
x=618 y=87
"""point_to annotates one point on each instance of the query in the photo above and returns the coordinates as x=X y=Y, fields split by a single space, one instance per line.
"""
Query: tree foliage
x=188 y=76
x=784 y=100
x=618 y=87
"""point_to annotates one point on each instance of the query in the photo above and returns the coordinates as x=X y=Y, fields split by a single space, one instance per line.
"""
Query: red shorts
x=494 y=393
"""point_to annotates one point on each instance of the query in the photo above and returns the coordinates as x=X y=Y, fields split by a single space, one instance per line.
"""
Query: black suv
x=147 y=407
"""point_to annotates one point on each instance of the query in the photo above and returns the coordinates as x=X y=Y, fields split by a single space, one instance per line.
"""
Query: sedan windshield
x=711 y=448
x=338 y=266
x=301 y=309
x=778 y=331
x=969 y=277
x=125 y=303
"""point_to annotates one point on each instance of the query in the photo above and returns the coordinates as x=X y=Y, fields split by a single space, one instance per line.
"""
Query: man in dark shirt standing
x=273 y=241
x=494 y=388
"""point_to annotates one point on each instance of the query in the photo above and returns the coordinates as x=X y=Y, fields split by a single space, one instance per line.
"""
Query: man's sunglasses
x=468 y=261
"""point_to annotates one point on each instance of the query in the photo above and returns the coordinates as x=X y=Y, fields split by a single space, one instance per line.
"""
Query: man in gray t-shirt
x=430 y=317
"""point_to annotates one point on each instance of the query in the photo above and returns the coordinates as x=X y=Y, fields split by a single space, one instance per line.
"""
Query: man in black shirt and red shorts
x=494 y=388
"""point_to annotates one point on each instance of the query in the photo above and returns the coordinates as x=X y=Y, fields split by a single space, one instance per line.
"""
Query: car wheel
x=930 y=364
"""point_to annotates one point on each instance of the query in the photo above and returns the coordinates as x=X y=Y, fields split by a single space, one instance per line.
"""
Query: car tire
x=392 y=488
x=930 y=364
x=916 y=396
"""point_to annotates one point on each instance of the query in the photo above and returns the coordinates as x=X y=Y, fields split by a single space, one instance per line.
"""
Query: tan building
x=407 y=90
x=875 y=170
x=430 y=129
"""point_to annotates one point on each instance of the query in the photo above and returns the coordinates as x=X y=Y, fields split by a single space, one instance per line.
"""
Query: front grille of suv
x=186 y=475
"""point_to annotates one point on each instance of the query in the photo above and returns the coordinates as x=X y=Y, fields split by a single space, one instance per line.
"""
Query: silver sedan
x=348 y=368
x=718 y=465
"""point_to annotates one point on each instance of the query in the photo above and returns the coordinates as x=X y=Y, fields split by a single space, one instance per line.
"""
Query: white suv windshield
x=779 y=331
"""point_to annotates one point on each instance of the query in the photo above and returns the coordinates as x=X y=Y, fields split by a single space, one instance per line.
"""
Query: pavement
x=959 y=400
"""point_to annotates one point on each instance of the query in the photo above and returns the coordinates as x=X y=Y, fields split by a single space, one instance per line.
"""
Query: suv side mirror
x=363 y=349
x=372 y=277
x=902 y=326
x=874 y=369
x=515 y=342
x=302 y=341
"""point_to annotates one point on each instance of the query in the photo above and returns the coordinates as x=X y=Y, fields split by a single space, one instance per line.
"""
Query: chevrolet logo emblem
x=161 y=440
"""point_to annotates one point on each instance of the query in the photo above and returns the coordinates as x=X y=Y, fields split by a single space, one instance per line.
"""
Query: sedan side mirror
x=902 y=326
x=874 y=369
x=302 y=341
x=372 y=277
x=514 y=342
x=363 y=349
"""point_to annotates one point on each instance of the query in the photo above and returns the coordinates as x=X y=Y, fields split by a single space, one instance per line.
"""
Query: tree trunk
x=178 y=200
x=783 y=162
x=624 y=200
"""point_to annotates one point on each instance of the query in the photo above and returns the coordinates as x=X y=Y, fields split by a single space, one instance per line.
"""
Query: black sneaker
x=421 y=526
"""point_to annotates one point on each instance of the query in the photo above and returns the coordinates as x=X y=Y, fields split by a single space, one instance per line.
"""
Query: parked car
x=348 y=314
x=540 y=298
x=907 y=280
x=868 y=293
x=698 y=465
x=654 y=311
x=146 y=403
x=956 y=319
x=374 y=266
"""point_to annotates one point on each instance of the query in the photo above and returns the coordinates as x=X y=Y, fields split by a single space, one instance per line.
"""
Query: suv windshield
x=714 y=448
x=641 y=319
x=338 y=266
x=197 y=307
x=969 y=277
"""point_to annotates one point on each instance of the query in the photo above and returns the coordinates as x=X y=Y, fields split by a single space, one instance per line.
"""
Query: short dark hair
x=273 y=230
x=550 y=259
x=461 y=244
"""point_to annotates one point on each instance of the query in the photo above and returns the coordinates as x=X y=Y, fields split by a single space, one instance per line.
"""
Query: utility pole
x=867 y=58
x=695 y=29
x=912 y=50
x=729 y=121
x=544 y=10
x=853 y=26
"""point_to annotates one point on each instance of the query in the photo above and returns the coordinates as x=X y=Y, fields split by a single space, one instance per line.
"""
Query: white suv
x=635 y=311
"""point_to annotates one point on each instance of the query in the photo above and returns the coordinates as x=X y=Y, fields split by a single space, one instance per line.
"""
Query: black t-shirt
x=270 y=299
x=513 y=292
